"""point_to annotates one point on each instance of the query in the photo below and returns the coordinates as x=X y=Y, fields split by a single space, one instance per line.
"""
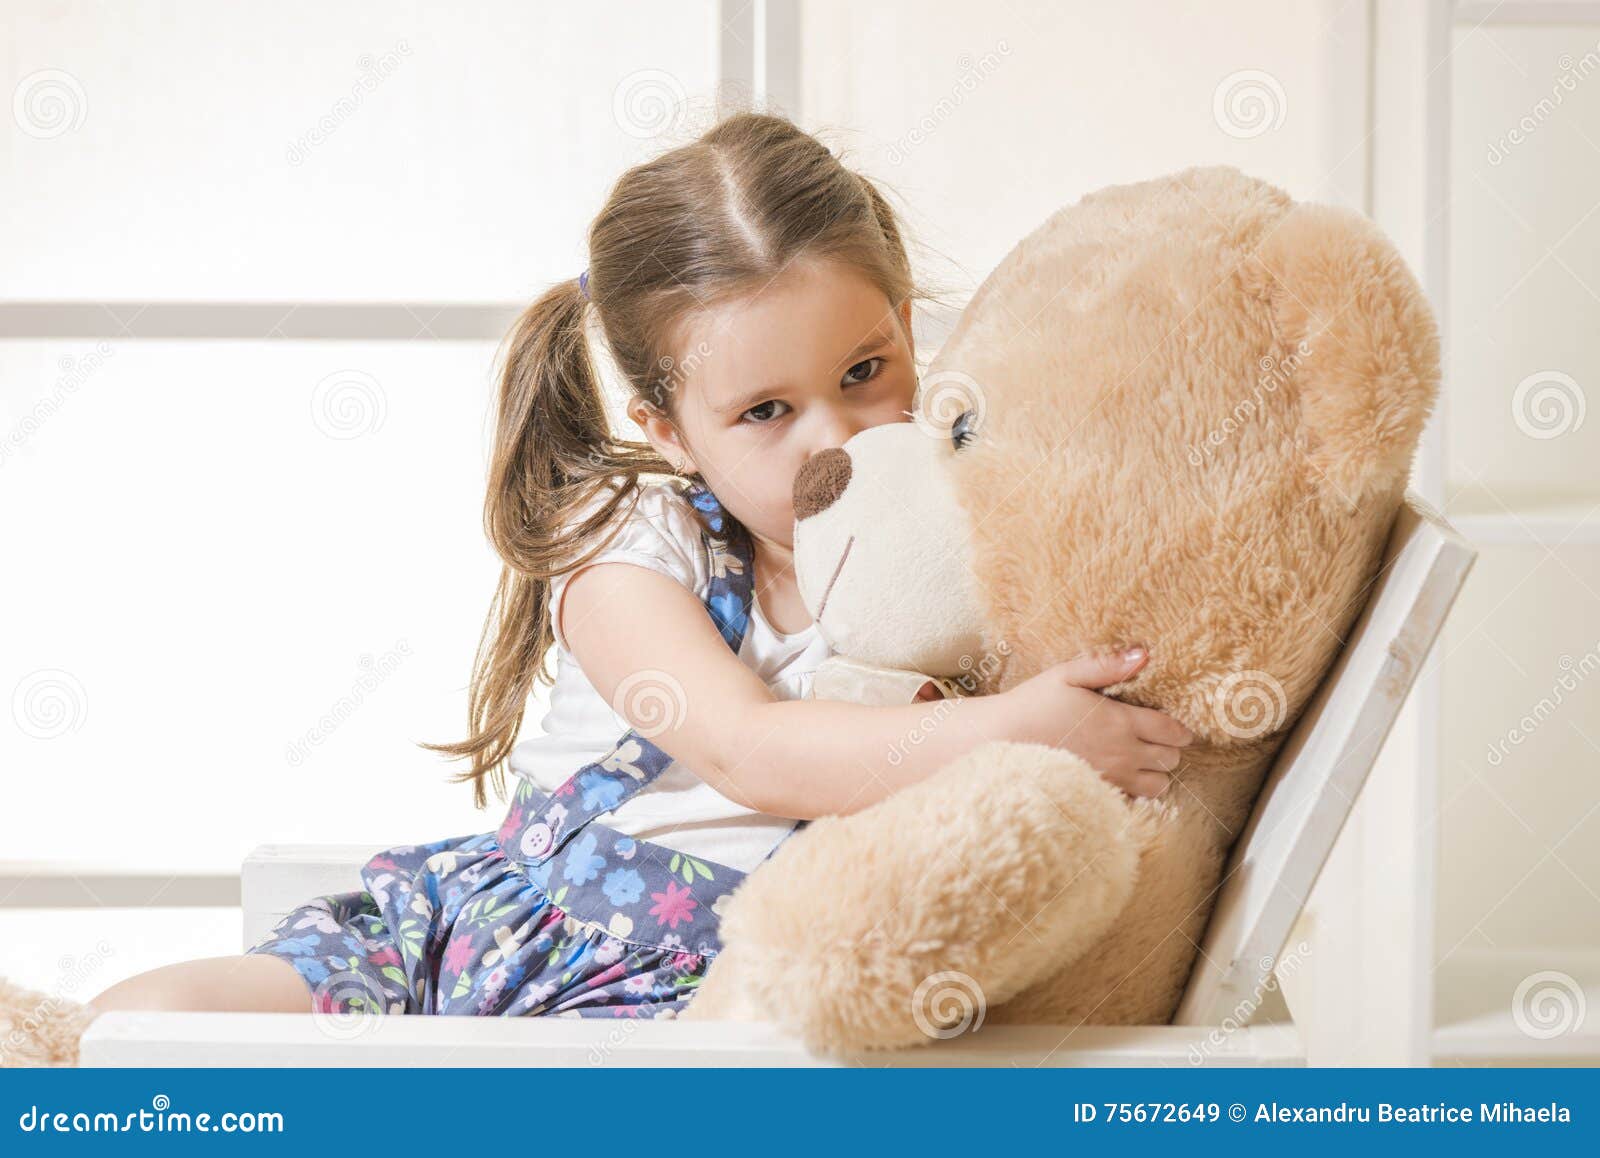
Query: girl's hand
x=1131 y=747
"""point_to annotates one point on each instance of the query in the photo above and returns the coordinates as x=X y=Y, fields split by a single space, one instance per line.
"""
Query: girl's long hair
x=722 y=215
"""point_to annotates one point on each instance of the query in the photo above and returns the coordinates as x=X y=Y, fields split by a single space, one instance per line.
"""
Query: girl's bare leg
x=249 y=983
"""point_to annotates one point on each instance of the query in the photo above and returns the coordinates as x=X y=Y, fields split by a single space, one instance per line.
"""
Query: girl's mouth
x=837 y=567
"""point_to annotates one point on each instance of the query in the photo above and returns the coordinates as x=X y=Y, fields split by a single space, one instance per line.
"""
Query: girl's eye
x=867 y=371
x=767 y=411
x=763 y=412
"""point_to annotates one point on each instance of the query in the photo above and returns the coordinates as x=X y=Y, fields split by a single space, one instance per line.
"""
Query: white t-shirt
x=677 y=809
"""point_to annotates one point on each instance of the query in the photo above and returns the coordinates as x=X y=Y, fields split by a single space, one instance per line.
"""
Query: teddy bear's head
x=1180 y=413
x=883 y=549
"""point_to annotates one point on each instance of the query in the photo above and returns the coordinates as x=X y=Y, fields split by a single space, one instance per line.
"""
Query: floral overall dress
x=553 y=913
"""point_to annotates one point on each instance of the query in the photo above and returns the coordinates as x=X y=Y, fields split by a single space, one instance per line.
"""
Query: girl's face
x=762 y=383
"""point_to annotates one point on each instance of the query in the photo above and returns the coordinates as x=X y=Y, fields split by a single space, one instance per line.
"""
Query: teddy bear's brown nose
x=820 y=481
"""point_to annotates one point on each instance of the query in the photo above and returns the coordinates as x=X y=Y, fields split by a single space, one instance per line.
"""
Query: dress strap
x=730 y=560
x=712 y=514
x=635 y=761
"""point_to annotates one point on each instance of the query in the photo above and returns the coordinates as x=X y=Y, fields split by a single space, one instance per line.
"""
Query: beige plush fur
x=1197 y=401
x=39 y=1029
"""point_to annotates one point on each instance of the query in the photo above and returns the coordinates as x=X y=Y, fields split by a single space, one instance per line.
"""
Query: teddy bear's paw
x=1150 y=817
x=844 y=997
x=727 y=992
x=39 y=1029
x=860 y=933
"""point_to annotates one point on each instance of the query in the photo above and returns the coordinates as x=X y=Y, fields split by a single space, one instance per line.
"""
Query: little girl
x=756 y=297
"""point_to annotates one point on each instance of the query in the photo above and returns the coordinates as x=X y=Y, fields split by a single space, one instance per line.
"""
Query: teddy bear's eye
x=965 y=429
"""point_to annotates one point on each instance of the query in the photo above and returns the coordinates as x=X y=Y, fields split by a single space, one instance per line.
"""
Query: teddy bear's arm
x=874 y=930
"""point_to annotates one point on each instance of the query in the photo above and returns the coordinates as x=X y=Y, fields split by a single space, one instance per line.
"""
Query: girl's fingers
x=1160 y=728
x=1100 y=669
x=1159 y=757
x=1144 y=783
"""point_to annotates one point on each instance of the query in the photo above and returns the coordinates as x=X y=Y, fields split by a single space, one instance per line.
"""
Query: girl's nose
x=820 y=480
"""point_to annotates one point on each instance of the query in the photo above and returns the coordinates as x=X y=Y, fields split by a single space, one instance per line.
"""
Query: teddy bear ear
x=1357 y=345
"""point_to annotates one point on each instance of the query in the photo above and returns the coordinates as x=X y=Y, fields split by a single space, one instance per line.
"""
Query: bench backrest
x=1320 y=770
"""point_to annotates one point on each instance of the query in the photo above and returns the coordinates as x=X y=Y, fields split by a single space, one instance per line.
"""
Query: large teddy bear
x=1181 y=414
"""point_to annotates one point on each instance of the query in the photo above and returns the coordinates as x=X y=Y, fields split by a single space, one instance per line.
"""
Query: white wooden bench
x=1233 y=1012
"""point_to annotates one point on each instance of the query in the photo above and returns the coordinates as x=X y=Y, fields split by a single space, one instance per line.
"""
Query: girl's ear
x=905 y=321
x=662 y=434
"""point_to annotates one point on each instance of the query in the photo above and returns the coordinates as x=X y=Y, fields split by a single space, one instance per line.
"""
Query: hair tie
x=583 y=282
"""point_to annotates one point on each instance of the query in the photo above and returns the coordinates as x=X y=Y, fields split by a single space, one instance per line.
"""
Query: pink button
x=537 y=839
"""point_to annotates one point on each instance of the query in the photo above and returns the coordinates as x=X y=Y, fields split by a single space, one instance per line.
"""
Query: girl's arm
x=650 y=650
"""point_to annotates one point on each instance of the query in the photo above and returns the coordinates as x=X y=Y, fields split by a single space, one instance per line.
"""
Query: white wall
x=1520 y=794
x=985 y=118
x=314 y=152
